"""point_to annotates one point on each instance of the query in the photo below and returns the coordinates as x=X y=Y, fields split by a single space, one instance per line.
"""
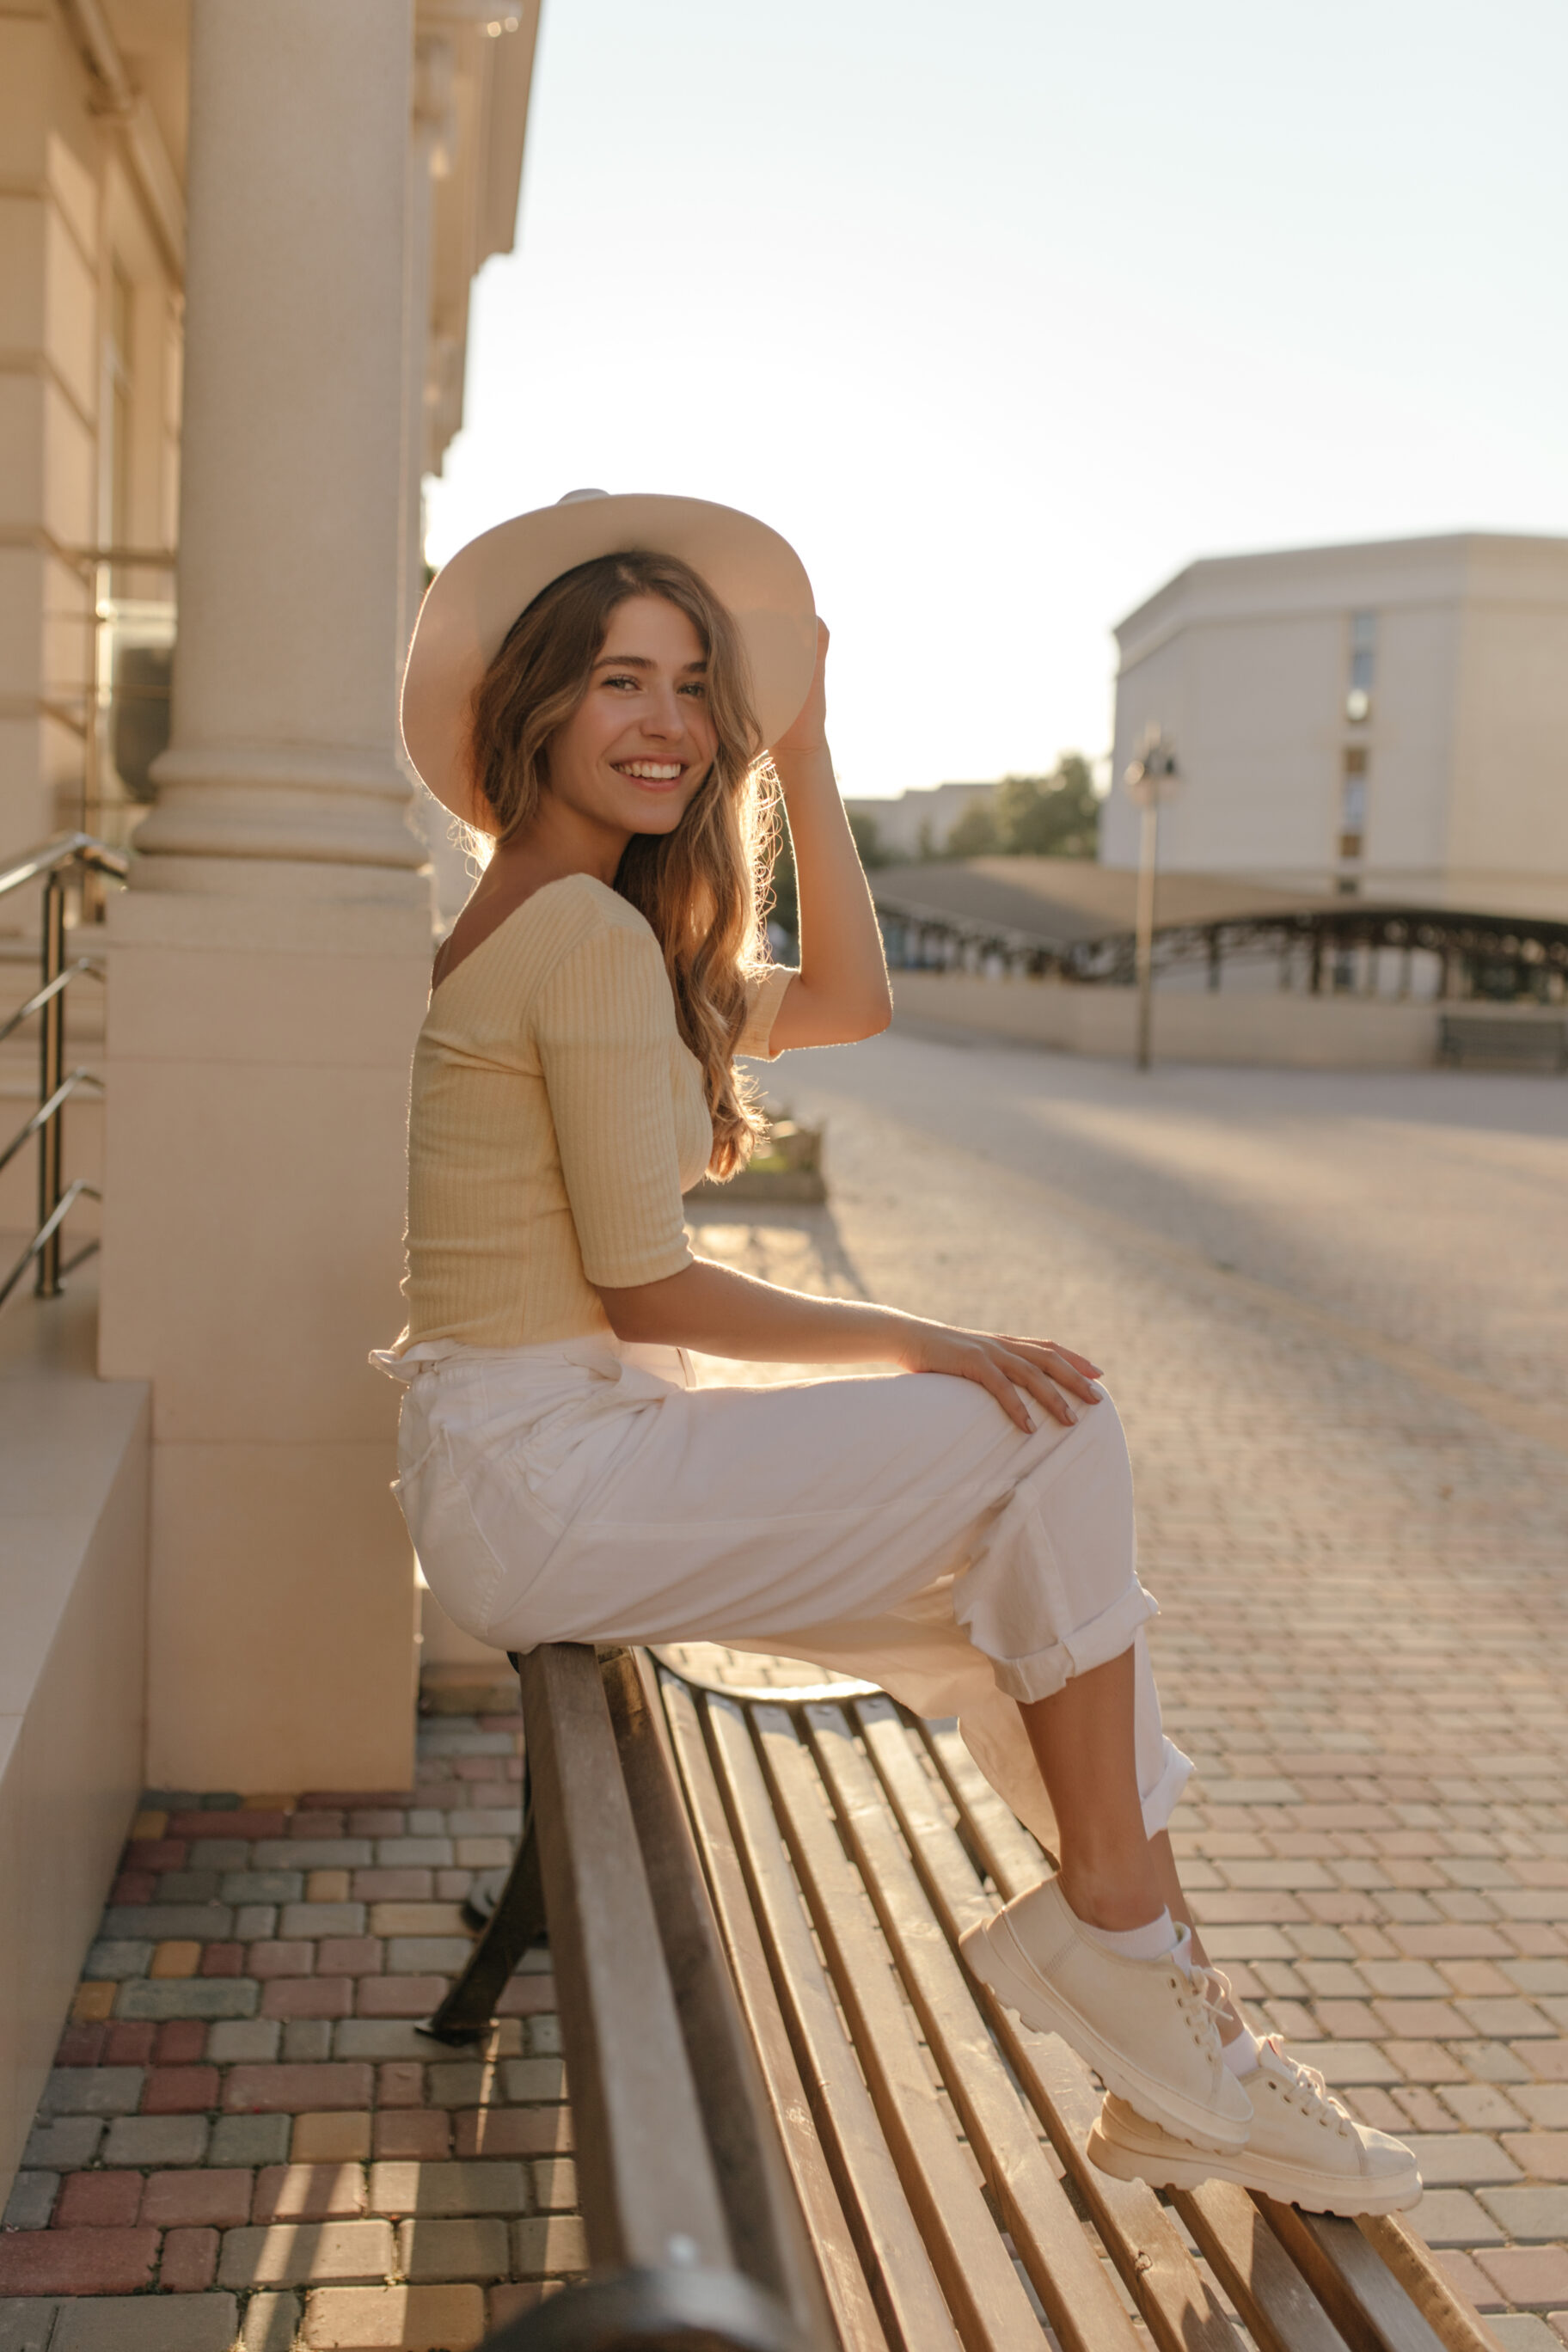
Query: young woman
x=595 y=688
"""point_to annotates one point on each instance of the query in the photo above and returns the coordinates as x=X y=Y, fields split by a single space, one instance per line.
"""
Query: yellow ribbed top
x=554 y=1120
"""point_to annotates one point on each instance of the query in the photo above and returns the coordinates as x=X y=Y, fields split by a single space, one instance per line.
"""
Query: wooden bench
x=799 y=2122
x=1489 y=1041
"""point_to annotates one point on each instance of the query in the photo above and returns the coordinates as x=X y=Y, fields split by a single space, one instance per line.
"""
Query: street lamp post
x=1149 y=780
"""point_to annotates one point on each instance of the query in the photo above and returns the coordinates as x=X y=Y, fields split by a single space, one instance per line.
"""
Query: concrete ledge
x=74 y=1453
x=1287 y=1031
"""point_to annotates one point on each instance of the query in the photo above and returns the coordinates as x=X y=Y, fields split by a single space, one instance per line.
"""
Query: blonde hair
x=704 y=887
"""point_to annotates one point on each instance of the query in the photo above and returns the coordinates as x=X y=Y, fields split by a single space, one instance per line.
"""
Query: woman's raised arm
x=842 y=991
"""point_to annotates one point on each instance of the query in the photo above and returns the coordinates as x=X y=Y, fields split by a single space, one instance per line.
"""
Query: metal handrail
x=53 y=864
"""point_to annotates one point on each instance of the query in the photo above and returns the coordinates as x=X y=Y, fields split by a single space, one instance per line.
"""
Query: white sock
x=1150 y=1942
x=1241 y=2055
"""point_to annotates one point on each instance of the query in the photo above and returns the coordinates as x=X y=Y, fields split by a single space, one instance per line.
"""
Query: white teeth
x=647 y=770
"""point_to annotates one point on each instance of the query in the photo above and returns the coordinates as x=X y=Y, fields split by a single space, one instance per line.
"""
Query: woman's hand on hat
x=1013 y=1370
x=807 y=732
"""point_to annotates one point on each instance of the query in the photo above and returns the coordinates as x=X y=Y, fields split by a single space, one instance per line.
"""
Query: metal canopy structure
x=1076 y=920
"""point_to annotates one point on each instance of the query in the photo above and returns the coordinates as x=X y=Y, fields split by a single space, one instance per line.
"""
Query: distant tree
x=975 y=833
x=1047 y=816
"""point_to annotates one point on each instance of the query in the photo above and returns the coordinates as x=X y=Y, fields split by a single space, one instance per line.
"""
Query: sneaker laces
x=1308 y=2081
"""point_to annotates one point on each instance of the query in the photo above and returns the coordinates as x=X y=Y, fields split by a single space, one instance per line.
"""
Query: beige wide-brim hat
x=471 y=603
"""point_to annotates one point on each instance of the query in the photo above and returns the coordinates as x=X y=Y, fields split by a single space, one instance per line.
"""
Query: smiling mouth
x=650 y=772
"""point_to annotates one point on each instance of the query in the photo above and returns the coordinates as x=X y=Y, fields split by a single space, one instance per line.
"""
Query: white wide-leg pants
x=903 y=1529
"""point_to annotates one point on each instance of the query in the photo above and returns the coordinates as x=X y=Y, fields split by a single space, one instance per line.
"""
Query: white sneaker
x=1306 y=2148
x=1146 y=2027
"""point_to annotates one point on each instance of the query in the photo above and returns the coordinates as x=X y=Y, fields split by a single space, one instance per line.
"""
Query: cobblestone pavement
x=1354 y=1496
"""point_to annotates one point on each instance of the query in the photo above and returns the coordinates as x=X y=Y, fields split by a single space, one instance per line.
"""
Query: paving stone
x=250 y=2140
x=206 y=1997
x=114 y=1958
x=189 y=2261
x=555 y=2186
x=24 y=2324
x=399 y=1996
x=400 y=2082
x=319 y=1996
x=329 y=2139
x=1451 y=2217
x=154 y=2140
x=350 y=1956
x=1528 y=2274
x=217 y=2199
x=202 y=1923
x=179 y=2042
x=403 y=1853
x=180 y=1956
x=64 y=2145
x=271 y=1959
x=415 y=2132
x=221 y=1854
x=469 y=2249
x=1528 y=2212
x=1481 y=2106
x=1543 y=2155
x=511 y=2131
x=400 y=1885
x=367 y=2037
x=30 y=2204
x=311 y=2192
x=99 y=2201
x=448 y=2191
x=329 y=1885
x=549 y=2245
x=528 y=2080
x=306 y=2041
x=1522 y=2331
x=185 y=2323
x=291 y=2090
x=92 y=2091
x=268 y=1886
x=271 y=2323
x=179 y=2091
x=241 y=2041
x=76 y=2262
x=255 y=1923
x=421 y=1956
x=446 y=2318
x=309 y=1920
x=312 y=1853
x=1545 y=2103
x=292 y=2254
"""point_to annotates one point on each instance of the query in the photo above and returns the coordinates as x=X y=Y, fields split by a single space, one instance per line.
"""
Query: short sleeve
x=605 y=1027
x=764 y=994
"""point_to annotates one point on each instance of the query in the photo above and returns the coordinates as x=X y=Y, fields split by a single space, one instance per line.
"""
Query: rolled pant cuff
x=1044 y=1671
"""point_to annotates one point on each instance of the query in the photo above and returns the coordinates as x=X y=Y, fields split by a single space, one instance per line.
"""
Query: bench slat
x=1362 y=2297
x=649 y=2194
x=1400 y=2246
x=991 y=2309
x=897 y=2268
x=1177 y=2306
x=1281 y=2311
x=761 y=2207
x=854 y=2315
x=1078 y=2299
x=1005 y=1848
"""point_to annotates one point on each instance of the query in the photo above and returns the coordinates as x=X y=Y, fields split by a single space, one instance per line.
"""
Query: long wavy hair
x=704 y=887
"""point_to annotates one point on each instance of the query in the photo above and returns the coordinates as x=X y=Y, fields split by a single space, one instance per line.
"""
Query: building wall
x=1245 y=662
x=88 y=419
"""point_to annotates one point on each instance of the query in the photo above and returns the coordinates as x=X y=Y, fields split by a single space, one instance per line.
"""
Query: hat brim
x=472 y=601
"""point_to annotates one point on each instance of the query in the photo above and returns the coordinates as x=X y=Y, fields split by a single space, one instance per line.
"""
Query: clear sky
x=1004 y=311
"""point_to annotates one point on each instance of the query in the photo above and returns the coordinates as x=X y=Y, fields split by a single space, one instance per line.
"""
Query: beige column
x=268 y=967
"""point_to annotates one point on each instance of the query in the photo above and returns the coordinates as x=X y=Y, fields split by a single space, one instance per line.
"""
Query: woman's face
x=641 y=741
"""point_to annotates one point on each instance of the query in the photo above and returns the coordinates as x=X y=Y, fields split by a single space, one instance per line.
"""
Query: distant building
x=917 y=824
x=1389 y=719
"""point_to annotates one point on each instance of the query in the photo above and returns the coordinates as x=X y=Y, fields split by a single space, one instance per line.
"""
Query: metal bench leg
x=514 y=1924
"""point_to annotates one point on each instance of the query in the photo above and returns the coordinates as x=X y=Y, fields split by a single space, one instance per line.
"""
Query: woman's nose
x=665 y=717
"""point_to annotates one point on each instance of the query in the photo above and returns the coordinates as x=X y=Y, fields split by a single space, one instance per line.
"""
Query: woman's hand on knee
x=1013 y=1370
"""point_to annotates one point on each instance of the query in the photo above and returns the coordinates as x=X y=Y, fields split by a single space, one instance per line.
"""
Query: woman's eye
x=622 y=681
x=697 y=688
